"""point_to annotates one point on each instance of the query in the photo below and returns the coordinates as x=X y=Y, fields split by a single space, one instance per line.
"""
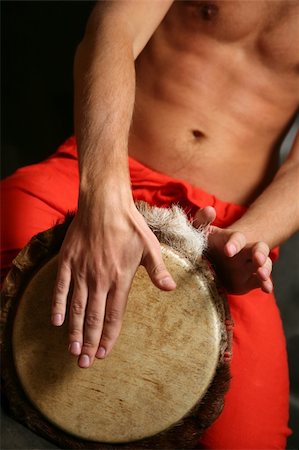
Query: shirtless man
x=216 y=88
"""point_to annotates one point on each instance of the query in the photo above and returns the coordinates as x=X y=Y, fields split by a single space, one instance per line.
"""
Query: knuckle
x=94 y=276
x=262 y=246
x=240 y=238
x=64 y=260
x=65 y=253
x=77 y=307
x=58 y=299
x=158 y=269
x=93 y=320
x=89 y=347
x=113 y=316
x=60 y=286
x=79 y=275
x=74 y=333
x=120 y=275
x=237 y=235
x=109 y=337
x=58 y=304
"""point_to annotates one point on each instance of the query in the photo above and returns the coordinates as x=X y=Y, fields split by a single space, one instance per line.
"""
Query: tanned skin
x=216 y=87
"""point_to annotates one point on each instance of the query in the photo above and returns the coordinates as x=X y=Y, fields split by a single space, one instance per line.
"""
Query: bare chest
x=267 y=28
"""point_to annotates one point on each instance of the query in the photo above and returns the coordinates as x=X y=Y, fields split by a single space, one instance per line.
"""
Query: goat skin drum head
x=160 y=367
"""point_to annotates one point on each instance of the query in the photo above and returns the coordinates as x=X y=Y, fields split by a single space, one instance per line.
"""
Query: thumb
x=156 y=269
x=204 y=217
x=235 y=244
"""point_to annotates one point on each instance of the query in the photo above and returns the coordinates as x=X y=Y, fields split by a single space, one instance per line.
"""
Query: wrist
x=105 y=195
x=107 y=191
x=252 y=233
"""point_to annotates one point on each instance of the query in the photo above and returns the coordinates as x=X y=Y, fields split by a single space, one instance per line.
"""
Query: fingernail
x=167 y=282
x=57 y=320
x=75 y=348
x=84 y=361
x=101 y=352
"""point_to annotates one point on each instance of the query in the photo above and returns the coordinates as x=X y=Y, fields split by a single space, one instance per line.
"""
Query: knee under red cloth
x=255 y=415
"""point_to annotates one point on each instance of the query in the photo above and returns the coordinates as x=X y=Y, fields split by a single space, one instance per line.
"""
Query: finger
x=267 y=286
x=235 y=244
x=156 y=269
x=255 y=282
x=76 y=321
x=263 y=266
x=114 y=314
x=204 y=216
x=93 y=325
x=60 y=293
x=260 y=252
x=264 y=272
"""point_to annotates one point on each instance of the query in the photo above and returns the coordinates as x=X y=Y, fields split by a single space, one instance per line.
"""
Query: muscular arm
x=274 y=216
x=108 y=238
x=105 y=88
x=241 y=253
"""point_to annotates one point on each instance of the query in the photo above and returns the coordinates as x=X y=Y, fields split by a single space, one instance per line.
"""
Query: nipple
x=208 y=10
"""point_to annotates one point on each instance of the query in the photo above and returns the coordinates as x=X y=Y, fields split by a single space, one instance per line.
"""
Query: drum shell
x=182 y=435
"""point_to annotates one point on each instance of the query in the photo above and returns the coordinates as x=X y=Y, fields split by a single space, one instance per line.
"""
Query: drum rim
x=185 y=434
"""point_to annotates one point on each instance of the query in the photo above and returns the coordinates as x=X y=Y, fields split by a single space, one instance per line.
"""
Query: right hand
x=100 y=255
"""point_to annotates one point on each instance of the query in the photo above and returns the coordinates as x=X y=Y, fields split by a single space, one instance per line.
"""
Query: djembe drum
x=165 y=380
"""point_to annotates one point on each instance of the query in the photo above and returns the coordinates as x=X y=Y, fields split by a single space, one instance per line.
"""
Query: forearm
x=104 y=98
x=104 y=76
x=274 y=216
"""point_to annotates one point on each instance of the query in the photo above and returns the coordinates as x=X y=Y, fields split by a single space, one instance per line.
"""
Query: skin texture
x=216 y=87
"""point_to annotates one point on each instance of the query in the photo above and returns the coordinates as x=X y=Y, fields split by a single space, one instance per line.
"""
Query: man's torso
x=217 y=87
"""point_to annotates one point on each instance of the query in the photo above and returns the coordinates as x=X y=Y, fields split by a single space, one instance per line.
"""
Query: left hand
x=240 y=265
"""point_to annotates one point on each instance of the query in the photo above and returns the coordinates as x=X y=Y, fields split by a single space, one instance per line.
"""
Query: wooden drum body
x=161 y=386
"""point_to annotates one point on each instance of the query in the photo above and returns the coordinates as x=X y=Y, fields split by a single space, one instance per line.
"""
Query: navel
x=197 y=134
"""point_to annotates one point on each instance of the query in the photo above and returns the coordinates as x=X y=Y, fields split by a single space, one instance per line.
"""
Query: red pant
x=256 y=407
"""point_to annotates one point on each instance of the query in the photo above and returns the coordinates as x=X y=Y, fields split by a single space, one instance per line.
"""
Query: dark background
x=38 y=40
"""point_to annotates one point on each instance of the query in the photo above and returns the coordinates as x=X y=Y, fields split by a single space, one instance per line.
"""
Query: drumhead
x=159 y=369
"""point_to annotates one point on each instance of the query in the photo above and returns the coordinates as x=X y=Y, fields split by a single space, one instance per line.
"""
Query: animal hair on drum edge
x=171 y=226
